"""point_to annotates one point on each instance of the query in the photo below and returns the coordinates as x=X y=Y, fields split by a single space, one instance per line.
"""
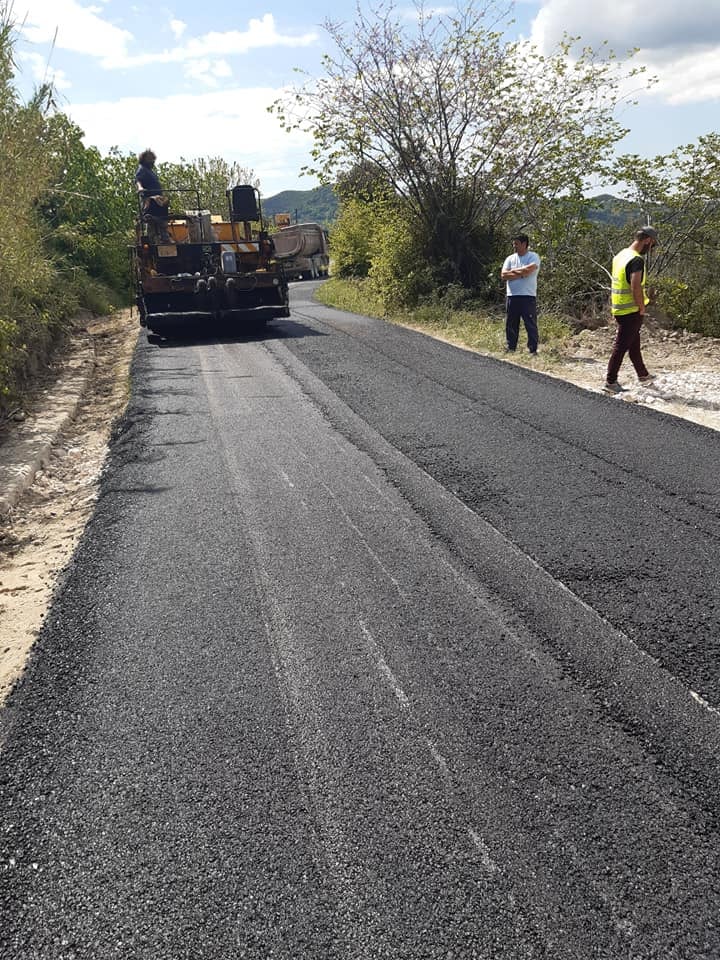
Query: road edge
x=29 y=447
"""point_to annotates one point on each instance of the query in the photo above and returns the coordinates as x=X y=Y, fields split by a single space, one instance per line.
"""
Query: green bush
x=706 y=314
x=65 y=213
x=673 y=297
x=96 y=296
x=689 y=293
x=690 y=306
x=373 y=239
x=351 y=240
x=398 y=274
x=34 y=304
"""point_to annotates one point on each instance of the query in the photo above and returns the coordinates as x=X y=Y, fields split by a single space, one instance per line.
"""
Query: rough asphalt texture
x=374 y=648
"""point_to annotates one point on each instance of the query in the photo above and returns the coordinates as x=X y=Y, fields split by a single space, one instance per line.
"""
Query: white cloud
x=679 y=43
x=663 y=24
x=689 y=79
x=178 y=28
x=207 y=71
x=70 y=26
x=221 y=68
x=233 y=124
x=260 y=33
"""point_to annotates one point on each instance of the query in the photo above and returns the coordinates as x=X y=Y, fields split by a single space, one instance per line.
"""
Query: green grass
x=353 y=295
x=97 y=297
x=475 y=326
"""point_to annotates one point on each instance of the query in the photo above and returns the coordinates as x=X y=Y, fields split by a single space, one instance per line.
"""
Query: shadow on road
x=277 y=330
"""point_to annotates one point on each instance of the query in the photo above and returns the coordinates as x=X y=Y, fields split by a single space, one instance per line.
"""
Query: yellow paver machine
x=199 y=273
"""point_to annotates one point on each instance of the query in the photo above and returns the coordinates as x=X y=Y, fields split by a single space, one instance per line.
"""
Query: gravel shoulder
x=39 y=536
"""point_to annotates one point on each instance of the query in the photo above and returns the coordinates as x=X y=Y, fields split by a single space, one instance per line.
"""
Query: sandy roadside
x=40 y=536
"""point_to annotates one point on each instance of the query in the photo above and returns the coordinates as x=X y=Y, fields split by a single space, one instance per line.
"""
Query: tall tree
x=679 y=192
x=463 y=123
x=204 y=180
x=91 y=204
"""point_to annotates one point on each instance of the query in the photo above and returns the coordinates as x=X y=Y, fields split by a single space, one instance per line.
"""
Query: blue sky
x=193 y=79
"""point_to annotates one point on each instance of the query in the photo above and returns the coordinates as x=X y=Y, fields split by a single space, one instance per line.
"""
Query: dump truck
x=303 y=250
x=208 y=273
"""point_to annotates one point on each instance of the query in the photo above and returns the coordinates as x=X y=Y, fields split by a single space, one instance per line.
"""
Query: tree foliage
x=365 y=182
x=466 y=126
x=679 y=193
x=90 y=206
x=203 y=181
x=352 y=238
x=31 y=303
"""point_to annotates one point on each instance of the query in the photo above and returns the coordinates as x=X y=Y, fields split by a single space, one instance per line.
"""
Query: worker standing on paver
x=155 y=203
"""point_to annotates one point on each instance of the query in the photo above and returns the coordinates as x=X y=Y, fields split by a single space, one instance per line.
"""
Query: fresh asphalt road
x=374 y=648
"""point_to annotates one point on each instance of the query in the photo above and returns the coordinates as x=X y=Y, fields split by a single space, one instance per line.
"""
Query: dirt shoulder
x=39 y=536
x=686 y=367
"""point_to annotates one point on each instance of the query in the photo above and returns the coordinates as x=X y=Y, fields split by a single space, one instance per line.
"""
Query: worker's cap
x=646 y=232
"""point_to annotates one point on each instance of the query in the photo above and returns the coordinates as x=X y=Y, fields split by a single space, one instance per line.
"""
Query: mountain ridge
x=321 y=205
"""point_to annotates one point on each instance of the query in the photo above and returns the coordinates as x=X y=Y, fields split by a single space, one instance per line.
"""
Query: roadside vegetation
x=66 y=221
x=443 y=139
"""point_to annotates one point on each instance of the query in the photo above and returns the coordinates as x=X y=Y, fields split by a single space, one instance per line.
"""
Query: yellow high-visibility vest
x=622 y=300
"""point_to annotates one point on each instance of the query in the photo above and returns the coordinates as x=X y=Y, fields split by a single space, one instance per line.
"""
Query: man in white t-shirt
x=520 y=272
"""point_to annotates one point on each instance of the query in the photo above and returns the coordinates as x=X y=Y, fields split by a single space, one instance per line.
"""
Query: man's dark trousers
x=525 y=309
x=627 y=340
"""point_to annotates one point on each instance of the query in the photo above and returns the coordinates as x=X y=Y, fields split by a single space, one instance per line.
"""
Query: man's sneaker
x=613 y=388
x=647 y=379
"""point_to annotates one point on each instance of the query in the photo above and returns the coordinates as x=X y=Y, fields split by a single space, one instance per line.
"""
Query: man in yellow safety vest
x=627 y=303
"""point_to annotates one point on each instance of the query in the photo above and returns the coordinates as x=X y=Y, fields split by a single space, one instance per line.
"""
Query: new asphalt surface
x=373 y=648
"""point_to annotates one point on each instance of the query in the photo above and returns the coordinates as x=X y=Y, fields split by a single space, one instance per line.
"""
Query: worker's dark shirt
x=636 y=265
x=148 y=180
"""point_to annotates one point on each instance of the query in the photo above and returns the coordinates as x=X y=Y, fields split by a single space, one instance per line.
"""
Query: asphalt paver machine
x=206 y=272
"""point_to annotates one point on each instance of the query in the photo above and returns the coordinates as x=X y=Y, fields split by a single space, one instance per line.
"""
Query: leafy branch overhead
x=460 y=122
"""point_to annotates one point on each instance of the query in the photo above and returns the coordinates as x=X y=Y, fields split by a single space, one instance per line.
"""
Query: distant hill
x=319 y=205
x=605 y=208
